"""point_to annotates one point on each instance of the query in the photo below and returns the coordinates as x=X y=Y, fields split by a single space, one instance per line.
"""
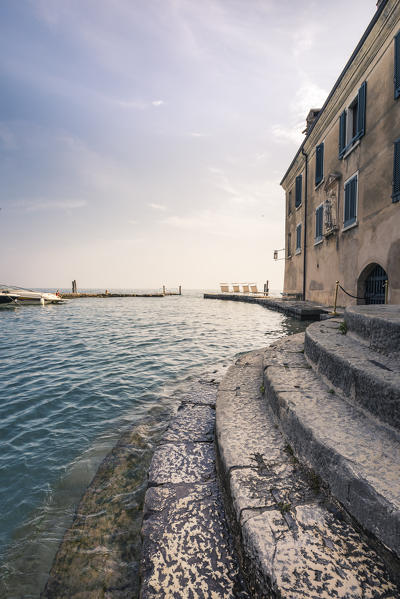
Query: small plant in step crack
x=331 y=391
x=284 y=508
x=262 y=389
x=343 y=328
x=289 y=450
x=315 y=481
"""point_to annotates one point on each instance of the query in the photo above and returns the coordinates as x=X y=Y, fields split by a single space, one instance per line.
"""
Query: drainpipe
x=305 y=225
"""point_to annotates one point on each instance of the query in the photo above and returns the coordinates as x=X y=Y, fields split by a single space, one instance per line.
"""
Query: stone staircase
x=308 y=433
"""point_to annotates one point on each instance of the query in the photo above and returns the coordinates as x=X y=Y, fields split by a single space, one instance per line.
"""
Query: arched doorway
x=371 y=284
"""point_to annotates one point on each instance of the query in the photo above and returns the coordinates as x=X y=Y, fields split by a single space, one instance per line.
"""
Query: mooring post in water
x=74 y=287
x=180 y=289
x=266 y=288
x=163 y=289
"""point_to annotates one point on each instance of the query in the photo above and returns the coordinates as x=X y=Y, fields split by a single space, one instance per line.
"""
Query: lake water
x=74 y=377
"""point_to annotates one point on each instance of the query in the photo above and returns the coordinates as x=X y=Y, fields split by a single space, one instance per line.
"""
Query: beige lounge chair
x=253 y=289
x=224 y=287
x=245 y=288
x=236 y=288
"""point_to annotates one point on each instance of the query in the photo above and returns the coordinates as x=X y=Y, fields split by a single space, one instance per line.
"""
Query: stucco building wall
x=347 y=254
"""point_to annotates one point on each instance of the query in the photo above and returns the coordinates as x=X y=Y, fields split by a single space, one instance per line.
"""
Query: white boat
x=8 y=299
x=30 y=297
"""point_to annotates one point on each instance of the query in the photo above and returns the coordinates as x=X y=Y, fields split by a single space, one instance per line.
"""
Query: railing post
x=335 y=302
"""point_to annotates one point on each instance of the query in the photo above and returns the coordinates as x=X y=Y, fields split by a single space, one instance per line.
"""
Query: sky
x=142 y=142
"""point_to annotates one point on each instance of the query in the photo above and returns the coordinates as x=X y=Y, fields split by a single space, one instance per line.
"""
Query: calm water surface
x=74 y=377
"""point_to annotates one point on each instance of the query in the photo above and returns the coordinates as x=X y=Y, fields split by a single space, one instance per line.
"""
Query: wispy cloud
x=157 y=102
x=158 y=207
x=308 y=96
x=39 y=205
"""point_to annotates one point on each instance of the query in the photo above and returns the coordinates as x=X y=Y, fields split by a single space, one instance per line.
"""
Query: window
x=289 y=245
x=396 y=172
x=350 y=201
x=299 y=181
x=298 y=239
x=397 y=66
x=319 y=163
x=289 y=203
x=319 y=215
x=352 y=121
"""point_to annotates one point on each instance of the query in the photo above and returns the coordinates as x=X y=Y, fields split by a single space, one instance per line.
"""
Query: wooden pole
x=180 y=289
x=163 y=289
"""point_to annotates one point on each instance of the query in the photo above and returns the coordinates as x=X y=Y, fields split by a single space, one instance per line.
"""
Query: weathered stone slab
x=241 y=378
x=193 y=423
x=318 y=556
x=254 y=358
x=201 y=393
x=240 y=429
x=371 y=380
x=187 y=549
x=378 y=326
x=182 y=463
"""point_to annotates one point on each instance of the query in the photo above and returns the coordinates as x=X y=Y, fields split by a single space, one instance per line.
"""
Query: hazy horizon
x=143 y=143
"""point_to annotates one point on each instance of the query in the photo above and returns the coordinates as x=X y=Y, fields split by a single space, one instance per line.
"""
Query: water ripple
x=72 y=378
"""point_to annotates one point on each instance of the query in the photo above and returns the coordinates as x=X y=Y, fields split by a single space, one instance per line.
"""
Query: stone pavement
x=188 y=550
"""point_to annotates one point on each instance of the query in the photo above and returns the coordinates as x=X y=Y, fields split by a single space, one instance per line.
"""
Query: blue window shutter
x=396 y=172
x=298 y=190
x=319 y=163
x=350 y=201
x=342 y=134
x=362 y=101
x=353 y=199
x=397 y=65
x=346 y=203
x=298 y=237
x=318 y=222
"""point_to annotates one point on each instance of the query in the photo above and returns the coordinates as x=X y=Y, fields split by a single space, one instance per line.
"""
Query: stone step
x=355 y=455
x=187 y=548
x=369 y=379
x=296 y=541
x=378 y=326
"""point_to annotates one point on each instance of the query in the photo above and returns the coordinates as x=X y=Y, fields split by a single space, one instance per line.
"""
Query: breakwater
x=106 y=295
x=301 y=310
